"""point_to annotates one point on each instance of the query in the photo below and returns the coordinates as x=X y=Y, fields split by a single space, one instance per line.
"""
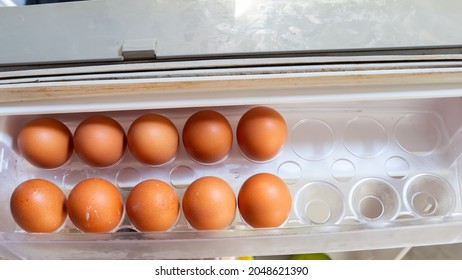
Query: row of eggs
x=153 y=139
x=96 y=205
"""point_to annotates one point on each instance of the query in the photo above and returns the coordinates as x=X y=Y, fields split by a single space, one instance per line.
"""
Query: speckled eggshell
x=100 y=141
x=38 y=205
x=261 y=133
x=153 y=139
x=152 y=205
x=45 y=143
x=264 y=201
x=209 y=203
x=95 y=205
x=207 y=136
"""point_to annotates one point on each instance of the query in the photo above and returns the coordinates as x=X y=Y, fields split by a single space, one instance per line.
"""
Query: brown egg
x=95 y=205
x=261 y=133
x=99 y=141
x=153 y=139
x=45 y=143
x=209 y=203
x=152 y=205
x=264 y=201
x=38 y=205
x=207 y=136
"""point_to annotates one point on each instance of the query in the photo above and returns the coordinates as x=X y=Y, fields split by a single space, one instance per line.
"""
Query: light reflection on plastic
x=241 y=7
x=3 y=161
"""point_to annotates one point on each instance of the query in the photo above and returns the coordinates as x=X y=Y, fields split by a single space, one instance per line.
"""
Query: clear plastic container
x=362 y=174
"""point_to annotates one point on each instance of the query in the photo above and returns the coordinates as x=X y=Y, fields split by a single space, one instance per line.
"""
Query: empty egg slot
x=429 y=195
x=371 y=208
x=319 y=203
x=374 y=199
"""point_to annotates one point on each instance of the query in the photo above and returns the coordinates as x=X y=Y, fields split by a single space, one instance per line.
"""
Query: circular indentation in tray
x=181 y=176
x=397 y=167
x=371 y=207
x=73 y=177
x=128 y=177
x=317 y=211
x=365 y=137
x=417 y=134
x=424 y=203
x=374 y=199
x=290 y=172
x=312 y=139
x=319 y=203
x=429 y=195
x=343 y=170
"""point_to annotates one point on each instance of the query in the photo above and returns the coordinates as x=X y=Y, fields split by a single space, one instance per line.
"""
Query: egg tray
x=342 y=165
x=355 y=163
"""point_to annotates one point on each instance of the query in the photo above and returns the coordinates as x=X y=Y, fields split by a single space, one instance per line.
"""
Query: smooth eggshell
x=38 y=205
x=207 y=136
x=264 y=201
x=152 y=205
x=153 y=139
x=45 y=143
x=209 y=203
x=261 y=133
x=95 y=205
x=100 y=141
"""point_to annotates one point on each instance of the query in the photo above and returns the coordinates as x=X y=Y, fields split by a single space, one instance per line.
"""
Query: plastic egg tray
x=369 y=162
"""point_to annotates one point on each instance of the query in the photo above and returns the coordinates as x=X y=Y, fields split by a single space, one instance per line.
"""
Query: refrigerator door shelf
x=372 y=159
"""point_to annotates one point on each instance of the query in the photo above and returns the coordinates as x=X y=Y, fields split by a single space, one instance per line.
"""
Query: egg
x=95 y=205
x=38 y=205
x=45 y=143
x=153 y=139
x=207 y=136
x=261 y=133
x=152 y=205
x=209 y=203
x=100 y=141
x=264 y=201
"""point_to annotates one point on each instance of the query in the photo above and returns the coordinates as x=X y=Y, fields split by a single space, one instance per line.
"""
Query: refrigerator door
x=118 y=30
